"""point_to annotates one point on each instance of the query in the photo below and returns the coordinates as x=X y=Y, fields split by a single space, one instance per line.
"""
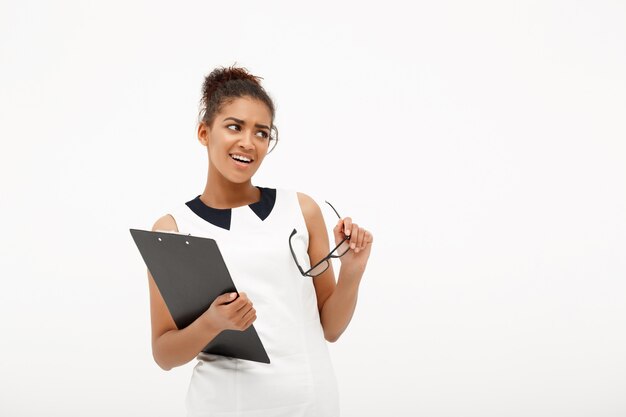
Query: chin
x=240 y=179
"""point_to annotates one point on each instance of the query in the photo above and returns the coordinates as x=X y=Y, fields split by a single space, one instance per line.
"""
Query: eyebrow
x=243 y=123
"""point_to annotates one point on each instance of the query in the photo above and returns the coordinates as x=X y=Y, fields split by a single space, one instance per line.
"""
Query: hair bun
x=222 y=75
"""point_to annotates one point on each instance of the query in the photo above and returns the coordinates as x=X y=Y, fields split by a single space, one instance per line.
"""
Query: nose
x=246 y=141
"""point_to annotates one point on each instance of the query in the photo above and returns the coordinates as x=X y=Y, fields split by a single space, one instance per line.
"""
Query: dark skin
x=229 y=185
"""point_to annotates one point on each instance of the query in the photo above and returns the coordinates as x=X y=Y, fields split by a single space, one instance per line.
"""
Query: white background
x=482 y=143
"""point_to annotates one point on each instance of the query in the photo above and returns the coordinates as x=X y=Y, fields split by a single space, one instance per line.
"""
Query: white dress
x=299 y=380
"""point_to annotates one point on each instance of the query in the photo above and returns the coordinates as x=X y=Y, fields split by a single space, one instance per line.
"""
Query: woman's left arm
x=336 y=300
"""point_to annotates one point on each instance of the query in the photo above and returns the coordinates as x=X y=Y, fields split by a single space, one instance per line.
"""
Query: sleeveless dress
x=254 y=241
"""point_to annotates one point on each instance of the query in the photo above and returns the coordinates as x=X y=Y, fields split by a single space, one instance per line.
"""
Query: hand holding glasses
x=339 y=250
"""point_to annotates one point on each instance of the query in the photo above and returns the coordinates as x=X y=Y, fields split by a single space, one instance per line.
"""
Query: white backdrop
x=482 y=143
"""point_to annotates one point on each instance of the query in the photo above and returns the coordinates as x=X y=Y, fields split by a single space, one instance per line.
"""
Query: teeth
x=240 y=158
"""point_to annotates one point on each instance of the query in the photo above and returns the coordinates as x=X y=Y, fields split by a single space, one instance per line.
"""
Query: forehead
x=248 y=109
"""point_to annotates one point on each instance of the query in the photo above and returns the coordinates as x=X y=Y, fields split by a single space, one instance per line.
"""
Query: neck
x=221 y=193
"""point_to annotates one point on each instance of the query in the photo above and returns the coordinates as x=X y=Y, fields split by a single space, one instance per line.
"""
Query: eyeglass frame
x=326 y=258
x=271 y=138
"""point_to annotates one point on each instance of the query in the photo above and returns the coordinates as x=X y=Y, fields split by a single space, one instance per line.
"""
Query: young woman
x=269 y=238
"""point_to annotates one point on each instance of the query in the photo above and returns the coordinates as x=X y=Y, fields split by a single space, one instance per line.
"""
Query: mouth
x=241 y=162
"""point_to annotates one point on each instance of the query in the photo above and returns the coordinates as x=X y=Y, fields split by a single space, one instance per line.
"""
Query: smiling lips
x=241 y=161
x=241 y=157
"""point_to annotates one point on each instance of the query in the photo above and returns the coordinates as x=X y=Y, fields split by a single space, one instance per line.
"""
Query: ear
x=203 y=134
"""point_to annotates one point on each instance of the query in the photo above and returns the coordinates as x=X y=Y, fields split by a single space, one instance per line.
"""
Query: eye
x=264 y=134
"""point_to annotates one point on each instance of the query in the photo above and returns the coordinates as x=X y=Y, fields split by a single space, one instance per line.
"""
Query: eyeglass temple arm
x=331 y=206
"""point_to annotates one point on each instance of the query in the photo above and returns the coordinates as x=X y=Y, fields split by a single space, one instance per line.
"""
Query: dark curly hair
x=223 y=85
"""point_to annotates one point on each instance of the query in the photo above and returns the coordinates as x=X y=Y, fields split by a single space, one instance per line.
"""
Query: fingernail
x=347 y=232
x=233 y=294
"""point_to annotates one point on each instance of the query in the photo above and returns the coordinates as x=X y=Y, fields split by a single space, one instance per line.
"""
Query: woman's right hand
x=230 y=312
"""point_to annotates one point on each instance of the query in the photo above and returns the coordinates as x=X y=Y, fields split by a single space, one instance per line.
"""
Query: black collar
x=221 y=217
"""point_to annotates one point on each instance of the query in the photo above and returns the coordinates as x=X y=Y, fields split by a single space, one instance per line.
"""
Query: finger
x=251 y=311
x=244 y=296
x=247 y=304
x=243 y=314
x=354 y=240
x=245 y=318
x=355 y=235
x=337 y=230
x=225 y=298
x=236 y=314
x=359 y=241
x=365 y=237
x=239 y=303
x=249 y=322
x=347 y=225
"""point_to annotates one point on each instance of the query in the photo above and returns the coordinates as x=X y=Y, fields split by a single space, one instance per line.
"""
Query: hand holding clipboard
x=231 y=311
x=191 y=274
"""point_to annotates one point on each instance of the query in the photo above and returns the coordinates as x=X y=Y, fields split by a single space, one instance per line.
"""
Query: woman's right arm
x=172 y=347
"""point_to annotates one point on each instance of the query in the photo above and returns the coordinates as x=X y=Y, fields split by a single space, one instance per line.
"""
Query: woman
x=269 y=239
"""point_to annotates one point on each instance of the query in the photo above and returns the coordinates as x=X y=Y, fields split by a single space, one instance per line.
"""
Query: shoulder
x=311 y=212
x=165 y=223
x=309 y=206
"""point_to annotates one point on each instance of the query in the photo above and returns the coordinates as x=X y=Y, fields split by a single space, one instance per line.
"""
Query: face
x=241 y=128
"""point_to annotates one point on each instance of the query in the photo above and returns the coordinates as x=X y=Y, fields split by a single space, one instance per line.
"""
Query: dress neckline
x=222 y=217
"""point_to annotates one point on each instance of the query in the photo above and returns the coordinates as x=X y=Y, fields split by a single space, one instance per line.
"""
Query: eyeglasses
x=273 y=139
x=322 y=265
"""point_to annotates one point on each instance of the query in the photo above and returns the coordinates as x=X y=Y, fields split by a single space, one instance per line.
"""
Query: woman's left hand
x=360 y=244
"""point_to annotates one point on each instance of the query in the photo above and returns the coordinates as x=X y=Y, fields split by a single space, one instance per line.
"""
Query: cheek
x=217 y=148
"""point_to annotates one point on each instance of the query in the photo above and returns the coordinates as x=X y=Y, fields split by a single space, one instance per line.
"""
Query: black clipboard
x=190 y=273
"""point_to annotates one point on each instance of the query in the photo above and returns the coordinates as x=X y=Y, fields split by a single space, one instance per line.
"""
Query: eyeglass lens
x=318 y=269
x=340 y=251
